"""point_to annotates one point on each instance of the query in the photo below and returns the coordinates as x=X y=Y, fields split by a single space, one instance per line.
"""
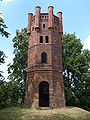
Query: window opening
x=46 y=39
x=43 y=25
x=41 y=39
x=43 y=57
x=32 y=28
x=45 y=17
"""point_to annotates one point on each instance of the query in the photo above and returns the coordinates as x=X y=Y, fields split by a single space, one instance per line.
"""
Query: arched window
x=43 y=57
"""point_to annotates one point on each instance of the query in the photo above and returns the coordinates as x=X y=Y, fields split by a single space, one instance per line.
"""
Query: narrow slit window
x=43 y=25
x=32 y=28
x=46 y=39
x=41 y=39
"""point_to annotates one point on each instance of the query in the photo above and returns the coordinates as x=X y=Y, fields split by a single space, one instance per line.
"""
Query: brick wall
x=51 y=71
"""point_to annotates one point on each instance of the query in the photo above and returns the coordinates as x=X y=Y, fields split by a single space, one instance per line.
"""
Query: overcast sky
x=76 y=18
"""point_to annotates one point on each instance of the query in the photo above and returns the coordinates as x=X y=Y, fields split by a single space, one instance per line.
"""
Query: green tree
x=3 y=84
x=3 y=32
x=75 y=71
x=2 y=60
x=18 y=70
x=3 y=94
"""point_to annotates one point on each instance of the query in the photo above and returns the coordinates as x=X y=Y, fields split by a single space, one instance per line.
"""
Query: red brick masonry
x=51 y=71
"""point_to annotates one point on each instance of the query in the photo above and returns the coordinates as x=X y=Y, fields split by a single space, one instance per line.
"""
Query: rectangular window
x=41 y=39
x=46 y=39
x=32 y=28
x=43 y=25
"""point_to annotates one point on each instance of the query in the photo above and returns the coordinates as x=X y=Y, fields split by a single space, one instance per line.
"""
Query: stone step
x=44 y=108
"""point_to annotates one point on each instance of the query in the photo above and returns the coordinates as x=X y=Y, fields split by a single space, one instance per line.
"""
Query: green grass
x=68 y=113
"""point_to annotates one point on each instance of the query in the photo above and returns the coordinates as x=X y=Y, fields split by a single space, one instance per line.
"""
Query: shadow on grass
x=11 y=114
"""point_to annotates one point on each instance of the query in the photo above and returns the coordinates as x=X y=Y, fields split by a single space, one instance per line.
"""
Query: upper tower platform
x=45 y=20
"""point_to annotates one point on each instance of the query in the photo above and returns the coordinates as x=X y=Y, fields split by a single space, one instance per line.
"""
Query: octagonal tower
x=44 y=83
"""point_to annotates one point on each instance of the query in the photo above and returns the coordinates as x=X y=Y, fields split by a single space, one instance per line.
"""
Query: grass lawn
x=68 y=113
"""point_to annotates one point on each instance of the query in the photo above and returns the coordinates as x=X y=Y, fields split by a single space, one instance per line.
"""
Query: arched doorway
x=44 y=94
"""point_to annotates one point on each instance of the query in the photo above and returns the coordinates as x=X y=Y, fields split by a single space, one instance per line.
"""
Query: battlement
x=52 y=21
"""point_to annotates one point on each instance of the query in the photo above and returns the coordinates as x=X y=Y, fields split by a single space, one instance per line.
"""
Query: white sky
x=87 y=43
x=1 y=15
x=7 y=1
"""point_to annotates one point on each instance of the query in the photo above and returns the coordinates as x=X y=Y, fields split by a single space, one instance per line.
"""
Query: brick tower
x=44 y=84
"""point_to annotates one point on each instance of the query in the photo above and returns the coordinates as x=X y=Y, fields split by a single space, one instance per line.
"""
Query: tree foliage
x=2 y=60
x=3 y=84
x=17 y=70
x=3 y=32
x=3 y=94
x=76 y=70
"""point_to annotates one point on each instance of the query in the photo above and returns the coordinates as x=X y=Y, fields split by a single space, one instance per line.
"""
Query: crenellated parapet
x=52 y=21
